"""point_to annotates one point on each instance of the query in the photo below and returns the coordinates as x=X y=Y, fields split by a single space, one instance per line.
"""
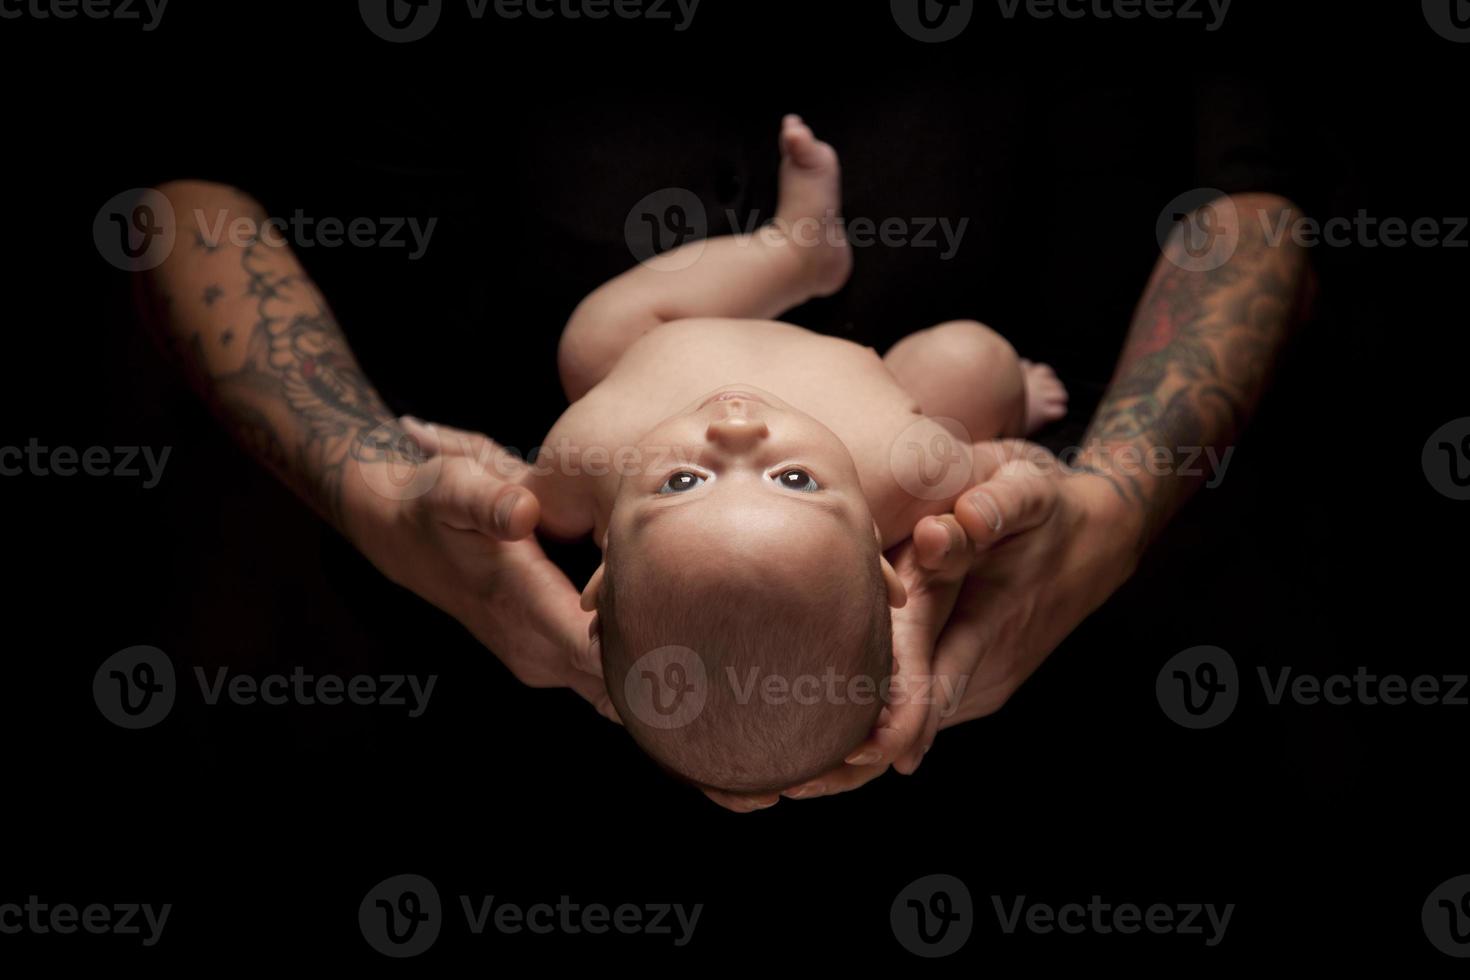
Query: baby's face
x=740 y=472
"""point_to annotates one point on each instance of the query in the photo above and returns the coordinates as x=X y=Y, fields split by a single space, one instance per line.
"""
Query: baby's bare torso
x=843 y=385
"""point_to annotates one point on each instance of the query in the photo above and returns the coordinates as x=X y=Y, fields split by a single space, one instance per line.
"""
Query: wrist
x=1119 y=506
x=374 y=493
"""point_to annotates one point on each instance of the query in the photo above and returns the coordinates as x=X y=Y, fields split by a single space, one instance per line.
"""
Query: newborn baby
x=744 y=477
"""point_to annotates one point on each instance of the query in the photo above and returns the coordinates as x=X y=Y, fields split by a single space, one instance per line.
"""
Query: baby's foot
x=810 y=209
x=1046 y=398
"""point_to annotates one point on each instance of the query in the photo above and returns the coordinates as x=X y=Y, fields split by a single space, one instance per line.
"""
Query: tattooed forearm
x=1197 y=356
x=267 y=354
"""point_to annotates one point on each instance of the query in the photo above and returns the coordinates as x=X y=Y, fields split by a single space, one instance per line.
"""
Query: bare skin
x=700 y=409
x=650 y=345
x=259 y=343
x=1038 y=543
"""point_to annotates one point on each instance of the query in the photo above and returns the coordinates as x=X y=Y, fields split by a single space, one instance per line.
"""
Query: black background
x=1061 y=141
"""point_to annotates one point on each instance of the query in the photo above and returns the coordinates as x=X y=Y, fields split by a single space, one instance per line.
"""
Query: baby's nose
x=735 y=430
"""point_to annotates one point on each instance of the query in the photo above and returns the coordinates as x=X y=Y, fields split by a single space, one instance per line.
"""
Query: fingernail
x=504 y=509
x=986 y=506
x=802 y=792
x=764 y=806
x=864 y=758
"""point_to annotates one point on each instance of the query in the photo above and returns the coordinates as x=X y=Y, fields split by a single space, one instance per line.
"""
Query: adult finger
x=1017 y=498
x=741 y=802
x=941 y=547
x=468 y=498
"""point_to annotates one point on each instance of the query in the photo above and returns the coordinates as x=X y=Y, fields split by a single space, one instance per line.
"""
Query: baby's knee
x=972 y=349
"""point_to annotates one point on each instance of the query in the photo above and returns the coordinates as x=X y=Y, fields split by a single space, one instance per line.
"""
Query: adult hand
x=932 y=565
x=442 y=514
x=1048 y=544
x=1028 y=553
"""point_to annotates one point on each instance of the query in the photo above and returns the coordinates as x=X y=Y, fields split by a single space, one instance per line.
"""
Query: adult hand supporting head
x=442 y=513
x=931 y=566
x=1028 y=553
x=1048 y=544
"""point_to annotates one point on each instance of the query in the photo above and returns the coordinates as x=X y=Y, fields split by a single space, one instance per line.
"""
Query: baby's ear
x=594 y=586
x=897 y=594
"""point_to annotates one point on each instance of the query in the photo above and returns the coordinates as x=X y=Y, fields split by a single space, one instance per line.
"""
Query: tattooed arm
x=1218 y=308
x=1049 y=543
x=261 y=346
x=439 y=511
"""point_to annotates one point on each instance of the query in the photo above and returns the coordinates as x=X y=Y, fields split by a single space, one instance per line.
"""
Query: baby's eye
x=797 y=478
x=680 y=482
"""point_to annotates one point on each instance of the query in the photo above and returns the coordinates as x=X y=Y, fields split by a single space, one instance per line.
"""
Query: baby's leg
x=965 y=371
x=801 y=255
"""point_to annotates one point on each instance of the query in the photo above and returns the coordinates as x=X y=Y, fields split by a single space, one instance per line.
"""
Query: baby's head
x=743 y=601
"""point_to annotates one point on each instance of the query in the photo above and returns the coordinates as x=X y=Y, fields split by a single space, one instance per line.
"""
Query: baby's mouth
x=732 y=394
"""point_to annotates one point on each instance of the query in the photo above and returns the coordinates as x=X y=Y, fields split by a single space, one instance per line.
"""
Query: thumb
x=468 y=498
x=942 y=548
x=1017 y=497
